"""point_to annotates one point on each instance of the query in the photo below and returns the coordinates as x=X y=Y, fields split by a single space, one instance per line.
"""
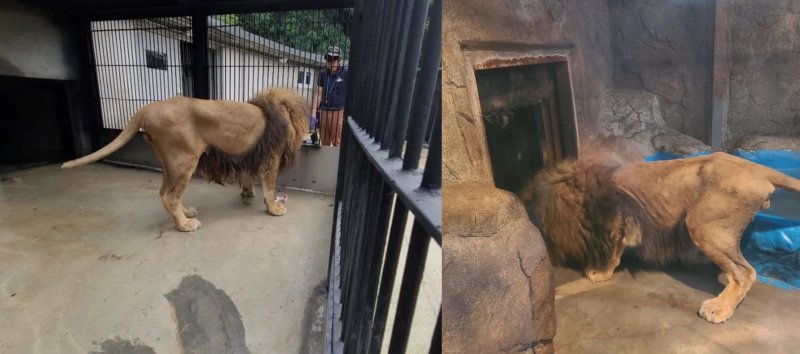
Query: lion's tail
x=781 y=180
x=123 y=138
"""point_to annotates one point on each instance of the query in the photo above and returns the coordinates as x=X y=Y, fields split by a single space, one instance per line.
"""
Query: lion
x=591 y=208
x=225 y=140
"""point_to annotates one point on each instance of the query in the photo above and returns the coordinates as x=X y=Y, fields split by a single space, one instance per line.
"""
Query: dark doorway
x=35 y=123
x=527 y=114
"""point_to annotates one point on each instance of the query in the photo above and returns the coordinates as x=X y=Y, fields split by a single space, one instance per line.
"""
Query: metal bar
x=426 y=204
x=395 y=78
x=436 y=341
x=408 y=75
x=361 y=312
x=200 y=55
x=393 y=247
x=377 y=61
x=432 y=176
x=409 y=289
x=721 y=85
x=373 y=269
x=356 y=246
x=424 y=92
x=384 y=80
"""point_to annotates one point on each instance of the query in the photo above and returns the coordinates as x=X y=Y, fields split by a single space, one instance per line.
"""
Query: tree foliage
x=310 y=30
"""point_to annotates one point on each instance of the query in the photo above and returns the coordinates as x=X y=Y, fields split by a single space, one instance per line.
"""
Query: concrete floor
x=87 y=256
x=651 y=311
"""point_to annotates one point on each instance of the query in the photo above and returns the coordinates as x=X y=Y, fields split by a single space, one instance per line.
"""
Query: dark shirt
x=334 y=88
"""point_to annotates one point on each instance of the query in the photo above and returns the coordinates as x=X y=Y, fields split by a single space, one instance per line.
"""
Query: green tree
x=309 y=30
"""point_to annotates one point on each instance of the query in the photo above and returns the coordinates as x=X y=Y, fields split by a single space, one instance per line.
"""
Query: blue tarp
x=771 y=243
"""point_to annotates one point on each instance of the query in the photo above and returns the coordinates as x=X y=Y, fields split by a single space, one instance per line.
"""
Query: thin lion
x=590 y=209
x=226 y=140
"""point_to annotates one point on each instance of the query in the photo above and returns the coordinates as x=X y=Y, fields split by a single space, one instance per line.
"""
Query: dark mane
x=582 y=214
x=285 y=115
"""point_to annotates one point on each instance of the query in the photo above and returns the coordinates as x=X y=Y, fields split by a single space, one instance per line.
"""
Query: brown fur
x=590 y=209
x=228 y=140
x=221 y=167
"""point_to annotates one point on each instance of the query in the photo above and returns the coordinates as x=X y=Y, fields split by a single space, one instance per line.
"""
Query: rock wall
x=765 y=68
x=580 y=25
x=666 y=48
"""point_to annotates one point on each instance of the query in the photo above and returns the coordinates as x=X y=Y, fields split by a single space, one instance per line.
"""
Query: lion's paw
x=248 y=193
x=190 y=225
x=190 y=212
x=276 y=209
x=715 y=310
x=598 y=276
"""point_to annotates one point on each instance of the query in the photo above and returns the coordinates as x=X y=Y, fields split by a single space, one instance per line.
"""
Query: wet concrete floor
x=90 y=262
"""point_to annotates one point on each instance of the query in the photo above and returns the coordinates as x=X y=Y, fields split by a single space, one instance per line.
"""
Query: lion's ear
x=632 y=232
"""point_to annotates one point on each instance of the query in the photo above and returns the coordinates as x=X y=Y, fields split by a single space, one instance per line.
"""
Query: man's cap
x=333 y=52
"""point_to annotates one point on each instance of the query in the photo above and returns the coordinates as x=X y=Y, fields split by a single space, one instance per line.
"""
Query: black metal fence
x=380 y=187
x=230 y=56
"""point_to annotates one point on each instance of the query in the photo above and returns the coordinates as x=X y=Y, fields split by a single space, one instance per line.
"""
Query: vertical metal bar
x=376 y=191
x=396 y=76
x=373 y=260
x=377 y=61
x=408 y=75
x=409 y=289
x=432 y=177
x=391 y=260
x=384 y=81
x=424 y=92
x=97 y=113
x=436 y=341
x=363 y=181
x=200 y=46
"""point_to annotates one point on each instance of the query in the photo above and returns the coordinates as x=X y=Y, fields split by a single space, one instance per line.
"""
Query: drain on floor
x=208 y=321
x=122 y=346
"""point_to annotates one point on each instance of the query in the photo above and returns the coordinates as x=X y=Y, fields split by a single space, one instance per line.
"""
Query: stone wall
x=765 y=68
x=666 y=48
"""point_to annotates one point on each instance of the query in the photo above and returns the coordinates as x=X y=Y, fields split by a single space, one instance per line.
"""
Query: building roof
x=238 y=37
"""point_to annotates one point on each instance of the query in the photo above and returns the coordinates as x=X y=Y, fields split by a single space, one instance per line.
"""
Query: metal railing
x=380 y=187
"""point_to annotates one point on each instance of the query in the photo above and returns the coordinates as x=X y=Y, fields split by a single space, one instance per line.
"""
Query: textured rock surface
x=758 y=142
x=666 y=48
x=497 y=280
x=765 y=70
x=517 y=26
x=637 y=116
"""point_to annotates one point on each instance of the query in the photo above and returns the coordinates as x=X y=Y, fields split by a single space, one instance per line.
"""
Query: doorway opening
x=528 y=119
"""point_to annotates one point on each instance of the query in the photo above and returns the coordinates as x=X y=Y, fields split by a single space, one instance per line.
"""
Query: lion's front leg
x=268 y=183
x=719 y=240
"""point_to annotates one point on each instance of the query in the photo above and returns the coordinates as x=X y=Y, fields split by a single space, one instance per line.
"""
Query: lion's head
x=577 y=208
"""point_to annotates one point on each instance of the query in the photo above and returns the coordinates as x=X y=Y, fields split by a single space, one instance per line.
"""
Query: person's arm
x=316 y=100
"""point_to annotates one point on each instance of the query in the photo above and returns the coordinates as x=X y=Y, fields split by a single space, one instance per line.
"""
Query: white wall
x=126 y=83
x=242 y=74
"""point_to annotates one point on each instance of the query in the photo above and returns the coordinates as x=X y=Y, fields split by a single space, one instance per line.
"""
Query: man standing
x=329 y=99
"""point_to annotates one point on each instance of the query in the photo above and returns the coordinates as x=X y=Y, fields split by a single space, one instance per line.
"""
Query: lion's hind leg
x=179 y=173
x=718 y=237
x=246 y=181
x=189 y=212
